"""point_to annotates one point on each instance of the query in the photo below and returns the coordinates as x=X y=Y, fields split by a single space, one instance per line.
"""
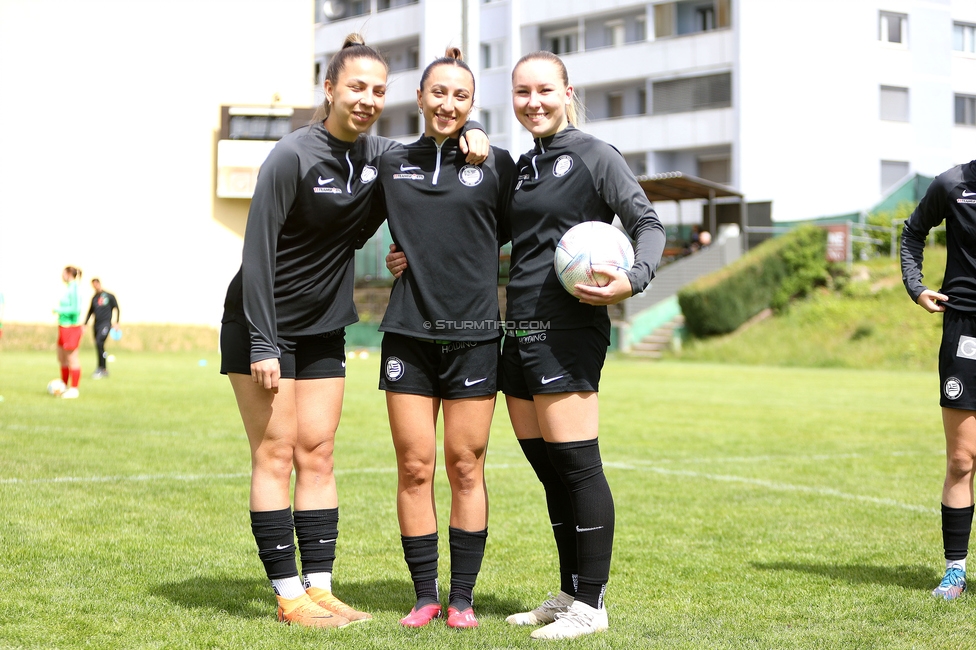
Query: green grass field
x=757 y=507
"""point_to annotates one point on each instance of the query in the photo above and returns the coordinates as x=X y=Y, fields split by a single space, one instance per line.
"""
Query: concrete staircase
x=654 y=344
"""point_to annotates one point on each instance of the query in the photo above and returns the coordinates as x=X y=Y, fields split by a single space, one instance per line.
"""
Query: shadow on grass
x=907 y=577
x=254 y=598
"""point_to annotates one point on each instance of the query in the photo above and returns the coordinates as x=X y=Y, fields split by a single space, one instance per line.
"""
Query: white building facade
x=819 y=106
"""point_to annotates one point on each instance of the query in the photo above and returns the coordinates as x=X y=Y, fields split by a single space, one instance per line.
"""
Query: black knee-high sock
x=957 y=523
x=581 y=469
x=467 y=551
x=560 y=511
x=274 y=531
x=317 y=531
x=420 y=553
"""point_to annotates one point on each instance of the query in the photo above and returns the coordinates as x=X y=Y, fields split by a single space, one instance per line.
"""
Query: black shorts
x=445 y=369
x=957 y=361
x=552 y=361
x=317 y=356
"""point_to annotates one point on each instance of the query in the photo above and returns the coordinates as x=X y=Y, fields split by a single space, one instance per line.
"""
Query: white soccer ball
x=55 y=387
x=587 y=244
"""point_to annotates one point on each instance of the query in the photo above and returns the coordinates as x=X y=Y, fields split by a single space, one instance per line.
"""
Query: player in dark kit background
x=103 y=304
x=282 y=334
x=441 y=332
x=951 y=198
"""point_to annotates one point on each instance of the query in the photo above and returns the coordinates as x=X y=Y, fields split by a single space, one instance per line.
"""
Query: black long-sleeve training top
x=310 y=203
x=951 y=198
x=566 y=179
x=444 y=215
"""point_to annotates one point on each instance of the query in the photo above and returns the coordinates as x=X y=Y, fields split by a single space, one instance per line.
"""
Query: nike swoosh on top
x=965 y=193
x=408 y=168
x=323 y=181
x=468 y=382
x=281 y=548
x=549 y=380
x=326 y=541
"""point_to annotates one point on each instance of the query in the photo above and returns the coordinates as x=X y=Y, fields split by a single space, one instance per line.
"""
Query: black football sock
x=317 y=531
x=560 y=511
x=581 y=469
x=467 y=552
x=957 y=523
x=420 y=553
x=274 y=532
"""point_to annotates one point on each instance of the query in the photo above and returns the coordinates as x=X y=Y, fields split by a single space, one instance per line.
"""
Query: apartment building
x=818 y=106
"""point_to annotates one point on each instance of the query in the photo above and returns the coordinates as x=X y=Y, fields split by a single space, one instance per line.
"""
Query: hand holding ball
x=591 y=243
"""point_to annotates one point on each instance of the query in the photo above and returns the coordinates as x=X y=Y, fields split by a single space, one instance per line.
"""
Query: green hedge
x=770 y=275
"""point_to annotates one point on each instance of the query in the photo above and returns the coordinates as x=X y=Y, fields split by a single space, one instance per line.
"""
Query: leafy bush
x=768 y=276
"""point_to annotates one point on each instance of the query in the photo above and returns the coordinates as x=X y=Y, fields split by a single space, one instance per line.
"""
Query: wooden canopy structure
x=678 y=186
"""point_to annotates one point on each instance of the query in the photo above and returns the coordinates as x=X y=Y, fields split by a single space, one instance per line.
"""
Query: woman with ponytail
x=551 y=377
x=69 y=332
x=441 y=333
x=282 y=336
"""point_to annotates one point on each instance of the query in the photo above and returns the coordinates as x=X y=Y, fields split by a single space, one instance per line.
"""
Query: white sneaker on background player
x=71 y=393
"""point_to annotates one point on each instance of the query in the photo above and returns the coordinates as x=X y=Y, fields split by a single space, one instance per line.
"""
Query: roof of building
x=676 y=186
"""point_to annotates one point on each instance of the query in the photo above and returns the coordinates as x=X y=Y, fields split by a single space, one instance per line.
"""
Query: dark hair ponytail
x=354 y=47
x=452 y=56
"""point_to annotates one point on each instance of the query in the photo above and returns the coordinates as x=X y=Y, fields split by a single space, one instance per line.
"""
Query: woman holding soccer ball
x=551 y=376
x=282 y=334
x=441 y=333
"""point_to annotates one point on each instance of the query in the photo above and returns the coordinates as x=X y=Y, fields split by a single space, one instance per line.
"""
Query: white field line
x=639 y=466
x=189 y=477
x=773 y=485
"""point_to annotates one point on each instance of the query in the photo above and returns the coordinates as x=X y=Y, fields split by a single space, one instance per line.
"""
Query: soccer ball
x=55 y=387
x=586 y=244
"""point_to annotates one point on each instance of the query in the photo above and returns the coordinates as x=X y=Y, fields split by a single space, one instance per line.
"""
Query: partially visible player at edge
x=69 y=332
x=282 y=334
x=951 y=198
x=441 y=333
x=550 y=374
x=103 y=307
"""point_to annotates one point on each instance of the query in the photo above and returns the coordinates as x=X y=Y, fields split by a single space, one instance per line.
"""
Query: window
x=486 y=120
x=892 y=171
x=641 y=101
x=640 y=29
x=615 y=104
x=259 y=127
x=966 y=110
x=717 y=168
x=402 y=56
x=705 y=18
x=637 y=163
x=894 y=104
x=893 y=28
x=664 y=20
x=692 y=94
x=614 y=33
x=492 y=55
x=690 y=17
x=964 y=38
x=560 y=40
x=383 y=5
